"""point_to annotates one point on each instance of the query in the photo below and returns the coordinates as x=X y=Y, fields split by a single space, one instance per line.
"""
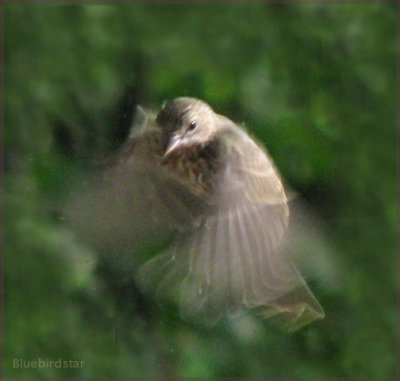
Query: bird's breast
x=196 y=167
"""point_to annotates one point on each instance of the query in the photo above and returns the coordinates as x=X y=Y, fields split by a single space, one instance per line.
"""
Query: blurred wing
x=132 y=201
x=234 y=258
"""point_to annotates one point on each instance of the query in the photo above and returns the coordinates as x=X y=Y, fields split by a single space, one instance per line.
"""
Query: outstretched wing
x=131 y=201
x=235 y=256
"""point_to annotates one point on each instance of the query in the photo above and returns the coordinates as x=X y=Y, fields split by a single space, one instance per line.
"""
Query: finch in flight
x=215 y=189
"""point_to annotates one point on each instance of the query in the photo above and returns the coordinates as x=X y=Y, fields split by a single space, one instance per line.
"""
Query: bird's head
x=185 y=122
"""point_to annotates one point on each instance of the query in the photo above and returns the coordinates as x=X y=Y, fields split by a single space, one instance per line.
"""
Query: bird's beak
x=173 y=144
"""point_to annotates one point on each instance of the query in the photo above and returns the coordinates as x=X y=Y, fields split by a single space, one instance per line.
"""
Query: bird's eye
x=192 y=126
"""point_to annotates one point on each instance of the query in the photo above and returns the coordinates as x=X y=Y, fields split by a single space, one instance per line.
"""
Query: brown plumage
x=222 y=199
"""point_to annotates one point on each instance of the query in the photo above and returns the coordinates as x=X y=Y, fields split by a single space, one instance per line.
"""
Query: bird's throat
x=195 y=166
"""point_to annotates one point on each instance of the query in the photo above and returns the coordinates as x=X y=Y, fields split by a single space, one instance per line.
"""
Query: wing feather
x=234 y=255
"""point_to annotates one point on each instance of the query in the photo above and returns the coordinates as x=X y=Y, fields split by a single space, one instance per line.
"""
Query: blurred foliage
x=314 y=82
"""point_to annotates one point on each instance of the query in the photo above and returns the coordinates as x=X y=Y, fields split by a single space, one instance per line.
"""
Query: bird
x=220 y=202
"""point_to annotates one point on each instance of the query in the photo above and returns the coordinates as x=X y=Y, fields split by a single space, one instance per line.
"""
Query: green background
x=314 y=82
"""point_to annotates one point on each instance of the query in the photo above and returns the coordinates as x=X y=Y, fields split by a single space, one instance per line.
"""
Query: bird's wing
x=235 y=258
x=131 y=201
